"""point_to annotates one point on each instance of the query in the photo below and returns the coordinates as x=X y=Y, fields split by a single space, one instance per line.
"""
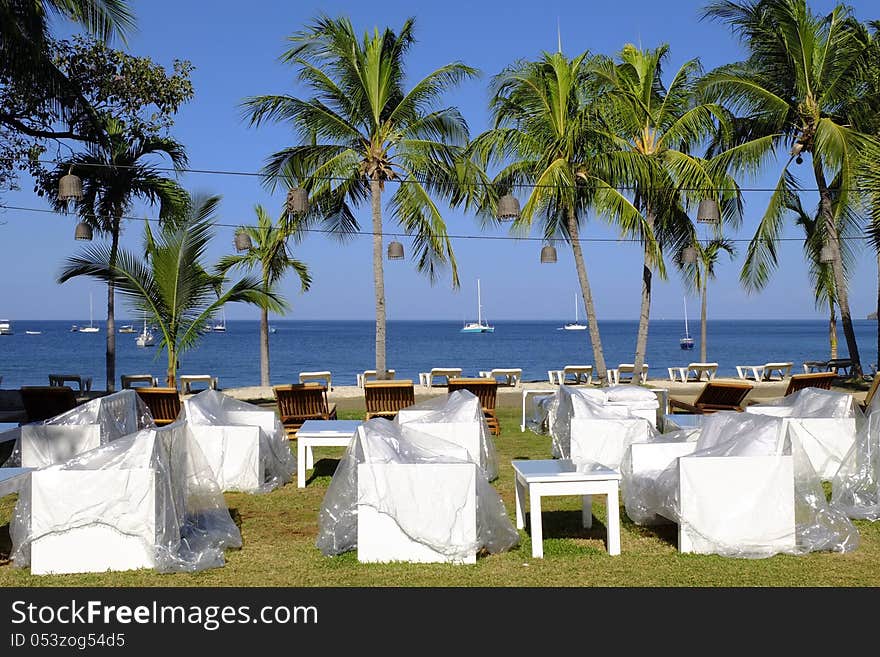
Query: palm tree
x=655 y=126
x=271 y=256
x=25 y=57
x=361 y=130
x=822 y=273
x=544 y=132
x=698 y=274
x=114 y=173
x=170 y=285
x=802 y=88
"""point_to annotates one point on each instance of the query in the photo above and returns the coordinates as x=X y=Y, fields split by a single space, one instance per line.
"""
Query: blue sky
x=235 y=50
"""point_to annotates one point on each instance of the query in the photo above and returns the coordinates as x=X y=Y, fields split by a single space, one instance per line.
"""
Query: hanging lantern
x=297 y=201
x=83 y=232
x=508 y=208
x=708 y=212
x=70 y=187
x=689 y=255
x=243 y=241
x=395 y=251
x=548 y=254
x=826 y=255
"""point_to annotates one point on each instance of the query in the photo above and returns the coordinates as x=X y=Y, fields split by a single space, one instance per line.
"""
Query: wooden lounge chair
x=385 y=398
x=164 y=403
x=865 y=405
x=43 y=402
x=298 y=402
x=715 y=396
x=821 y=380
x=486 y=390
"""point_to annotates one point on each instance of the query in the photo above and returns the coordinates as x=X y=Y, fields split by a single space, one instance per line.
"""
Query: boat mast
x=686 y=334
x=479 y=306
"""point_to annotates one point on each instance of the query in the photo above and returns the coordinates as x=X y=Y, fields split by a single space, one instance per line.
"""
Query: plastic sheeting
x=276 y=461
x=754 y=471
x=825 y=422
x=164 y=510
x=85 y=427
x=856 y=486
x=458 y=418
x=379 y=441
x=626 y=406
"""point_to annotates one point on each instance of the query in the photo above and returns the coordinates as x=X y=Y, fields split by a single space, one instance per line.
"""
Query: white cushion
x=625 y=393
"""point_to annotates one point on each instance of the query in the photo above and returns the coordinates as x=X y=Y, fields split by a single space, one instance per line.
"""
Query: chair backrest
x=303 y=400
x=388 y=396
x=813 y=380
x=722 y=396
x=485 y=389
x=164 y=403
x=872 y=391
x=43 y=402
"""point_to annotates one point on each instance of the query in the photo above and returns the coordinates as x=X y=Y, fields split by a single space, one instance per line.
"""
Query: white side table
x=561 y=477
x=532 y=393
x=320 y=433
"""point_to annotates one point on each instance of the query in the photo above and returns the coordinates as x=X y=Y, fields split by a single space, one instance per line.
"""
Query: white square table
x=320 y=433
x=186 y=381
x=544 y=478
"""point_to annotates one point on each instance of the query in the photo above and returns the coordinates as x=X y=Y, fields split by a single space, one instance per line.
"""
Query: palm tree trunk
x=378 y=277
x=827 y=210
x=592 y=322
x=645 y=311
x=171 y=372
x=703 y=315
x=264 y=347
x=110 y=356
x=832 y=329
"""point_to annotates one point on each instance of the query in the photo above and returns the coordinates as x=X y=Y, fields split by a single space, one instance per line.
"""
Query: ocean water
x=347 y=347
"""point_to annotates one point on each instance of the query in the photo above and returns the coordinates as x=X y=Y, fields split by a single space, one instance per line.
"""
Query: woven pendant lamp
x=70 y=187
x=508 y=208
x=83 y=232
x=297 y=201
x=708 y=212
x=243 y=241
x=548 y=254
x=395 y=251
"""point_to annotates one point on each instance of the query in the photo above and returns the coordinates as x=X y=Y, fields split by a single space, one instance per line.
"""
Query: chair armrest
x=677 y=403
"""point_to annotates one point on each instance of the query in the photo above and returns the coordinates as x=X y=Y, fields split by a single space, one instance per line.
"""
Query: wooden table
x=543 y=478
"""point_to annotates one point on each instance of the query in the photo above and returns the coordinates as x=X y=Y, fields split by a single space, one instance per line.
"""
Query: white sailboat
x=479 y=326
x=575 y=325
x=145 y=338
x=90 y=328
x=220 y=327
x=687 y=342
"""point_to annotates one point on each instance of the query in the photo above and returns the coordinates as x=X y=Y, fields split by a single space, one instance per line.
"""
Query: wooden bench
x=386 y=398
x=298 y=402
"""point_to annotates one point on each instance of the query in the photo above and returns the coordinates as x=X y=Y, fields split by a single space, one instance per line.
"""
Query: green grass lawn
x=279 y=530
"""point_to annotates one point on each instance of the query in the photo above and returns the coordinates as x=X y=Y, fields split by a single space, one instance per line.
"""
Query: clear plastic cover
x=809 y=402
x=166 y=507
x=624 y=410
x=457 y=418
x=856 y=486
x=379 y=441
x=94 y=423
x=276 y=460
x=745 y=488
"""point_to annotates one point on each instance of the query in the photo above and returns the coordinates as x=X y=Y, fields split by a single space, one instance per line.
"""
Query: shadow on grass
x=668 y=533
x=323 y=468
x=5 y=544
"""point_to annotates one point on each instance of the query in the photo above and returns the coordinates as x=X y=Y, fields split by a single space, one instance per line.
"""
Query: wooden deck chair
x=385 y=398
x=821 y=380
x=164 y=403
x=715 y=396
x=298 y=402
x=44 y=402
x=486 y=390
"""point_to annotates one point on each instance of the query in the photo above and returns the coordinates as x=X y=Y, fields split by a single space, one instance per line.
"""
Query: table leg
x=300 y=464
x=587 y=512
x=537 y=530
x=520 y=493
x=613 y=524
x=522 y=425
x=310 y=458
